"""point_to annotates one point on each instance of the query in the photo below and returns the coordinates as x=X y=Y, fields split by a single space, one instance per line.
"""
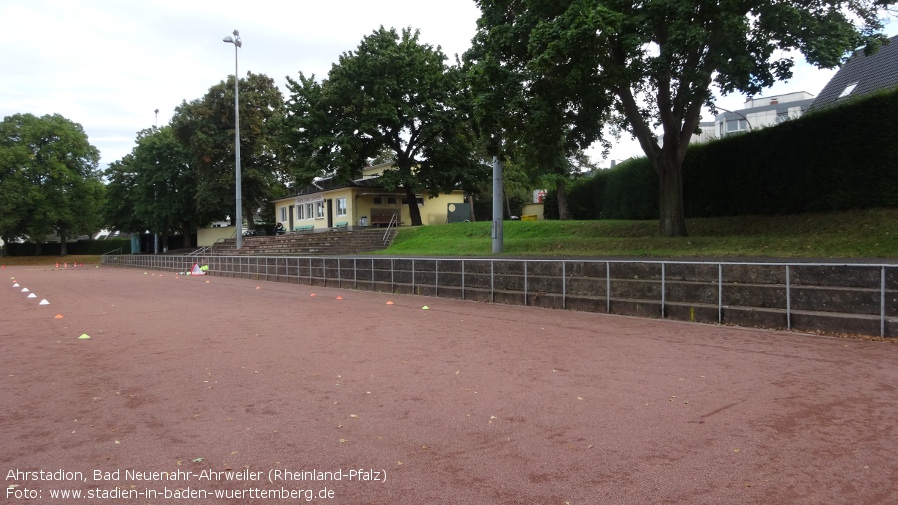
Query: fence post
x=720 y=293
x=663 y=290
x=563 y=284
x=492 y=283
x=526 y=280
x=788 y=301
x=462 y=279
x=608 y=286
x=882 y=301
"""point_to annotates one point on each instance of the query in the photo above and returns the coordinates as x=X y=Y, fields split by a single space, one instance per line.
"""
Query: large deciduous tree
x=154 y=187
x=206 y=127
x=659 y=58
x=49 y=181
x=393 y=93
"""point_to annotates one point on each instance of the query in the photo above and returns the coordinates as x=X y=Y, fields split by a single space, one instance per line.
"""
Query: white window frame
x=283 y=214
x=341 y=207
x=319 y=209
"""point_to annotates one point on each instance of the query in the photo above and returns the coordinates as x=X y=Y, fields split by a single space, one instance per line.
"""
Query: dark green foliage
x=840 y=158
x=79 y=247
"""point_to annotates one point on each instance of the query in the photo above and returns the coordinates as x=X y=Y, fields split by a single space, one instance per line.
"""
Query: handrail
x=393 y=221
x=199 y=251
x=120 y=249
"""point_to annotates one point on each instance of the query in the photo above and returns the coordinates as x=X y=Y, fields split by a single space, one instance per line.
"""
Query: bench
x=383 y=216
x=341 y=225
x=304 y=227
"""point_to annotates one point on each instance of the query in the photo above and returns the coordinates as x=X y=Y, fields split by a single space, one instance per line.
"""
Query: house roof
x=868 y=73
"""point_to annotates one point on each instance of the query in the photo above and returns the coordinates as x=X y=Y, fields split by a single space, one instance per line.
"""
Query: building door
x=330 y=213
x=292 y=210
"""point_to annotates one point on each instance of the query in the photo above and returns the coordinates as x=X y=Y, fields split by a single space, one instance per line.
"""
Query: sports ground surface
x=206 y=379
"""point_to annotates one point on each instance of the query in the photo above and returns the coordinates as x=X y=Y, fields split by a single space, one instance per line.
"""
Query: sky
x=109 y=64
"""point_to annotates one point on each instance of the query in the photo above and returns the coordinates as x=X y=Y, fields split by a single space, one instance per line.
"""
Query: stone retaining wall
x=857 y=299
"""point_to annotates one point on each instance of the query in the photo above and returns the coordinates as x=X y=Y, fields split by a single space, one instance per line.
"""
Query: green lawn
x=854 y=234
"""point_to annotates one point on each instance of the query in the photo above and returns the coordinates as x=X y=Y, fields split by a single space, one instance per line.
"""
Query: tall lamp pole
x=239 y=216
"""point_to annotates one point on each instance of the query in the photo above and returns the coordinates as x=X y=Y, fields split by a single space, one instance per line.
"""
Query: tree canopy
x=205 y=127
x=392 y=93
x=49 y=181
x=656 y=60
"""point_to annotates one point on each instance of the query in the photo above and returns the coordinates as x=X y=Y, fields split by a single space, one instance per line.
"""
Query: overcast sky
x=108 y=64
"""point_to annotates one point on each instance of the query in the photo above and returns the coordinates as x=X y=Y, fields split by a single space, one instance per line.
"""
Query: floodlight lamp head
x=236 y=33
x=228 y=39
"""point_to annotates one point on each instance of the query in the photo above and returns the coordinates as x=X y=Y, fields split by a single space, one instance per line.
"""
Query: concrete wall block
x=449 y=266
x=426 y=278
x=586 y=286
x=585 y=269
x=547 y=268
x=477 y=281
x=509 y=297
x=546 y=300
x=636 y=289
x=755 y=317
x=826 y=299
x=383 y=276
x=543 y=284
x=425 y=265
x=478 y=295
x=450 y=279
x=746 y=295
x=690 y=272
x=640 y=308
x=422 y=290
x=836 y=275
x=509 y=283
x=402 y=277
x=692 y=292
x=586 y=303
x=693 y=313
x=402 y=264
x=891 y=277
x=477 y=267
x=635 y=271
x=835 y=323
x=754 y=274
x=449 y=292
x=382 y=264
x=510 y=267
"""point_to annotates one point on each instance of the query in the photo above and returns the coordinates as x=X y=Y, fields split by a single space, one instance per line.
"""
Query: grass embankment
x=854 y=234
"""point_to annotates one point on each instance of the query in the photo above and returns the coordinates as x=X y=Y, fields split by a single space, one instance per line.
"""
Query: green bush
x=838 y=158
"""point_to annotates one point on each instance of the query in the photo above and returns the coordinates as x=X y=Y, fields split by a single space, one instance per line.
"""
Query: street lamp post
x=239 y=216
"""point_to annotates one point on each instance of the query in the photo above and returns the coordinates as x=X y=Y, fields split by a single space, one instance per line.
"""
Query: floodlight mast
x=239 y=190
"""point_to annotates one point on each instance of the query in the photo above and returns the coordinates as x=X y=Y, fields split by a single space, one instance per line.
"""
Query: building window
x=299 y=212
x=735 y=125
x=378 y=200
x=319 y=210
x=391 y=201
x=848 y=89
x=341 y=206
x=283 y=213
x=309 y=214
x=419 y=199
x=782 y=116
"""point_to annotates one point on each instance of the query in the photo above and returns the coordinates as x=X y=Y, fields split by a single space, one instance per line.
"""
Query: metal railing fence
x=654 y=288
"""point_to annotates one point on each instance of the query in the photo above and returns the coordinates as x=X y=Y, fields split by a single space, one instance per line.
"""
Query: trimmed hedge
x=839 y=158
x=79 y=247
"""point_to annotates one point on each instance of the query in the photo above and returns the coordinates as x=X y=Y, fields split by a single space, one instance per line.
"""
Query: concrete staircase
x=326 y=243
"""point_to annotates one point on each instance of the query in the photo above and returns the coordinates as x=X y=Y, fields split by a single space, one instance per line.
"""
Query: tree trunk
x=186 y=233
x=63 y=243
x=413 y=211
x=471 y=203
x=671 y=211
x=560 y=189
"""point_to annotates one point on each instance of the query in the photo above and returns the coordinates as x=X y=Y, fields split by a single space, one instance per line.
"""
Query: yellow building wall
x=360 y=202
x=206 y=237
x=533 y=209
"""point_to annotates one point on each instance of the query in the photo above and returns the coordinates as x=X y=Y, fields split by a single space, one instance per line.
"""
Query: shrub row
x=839 y=158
